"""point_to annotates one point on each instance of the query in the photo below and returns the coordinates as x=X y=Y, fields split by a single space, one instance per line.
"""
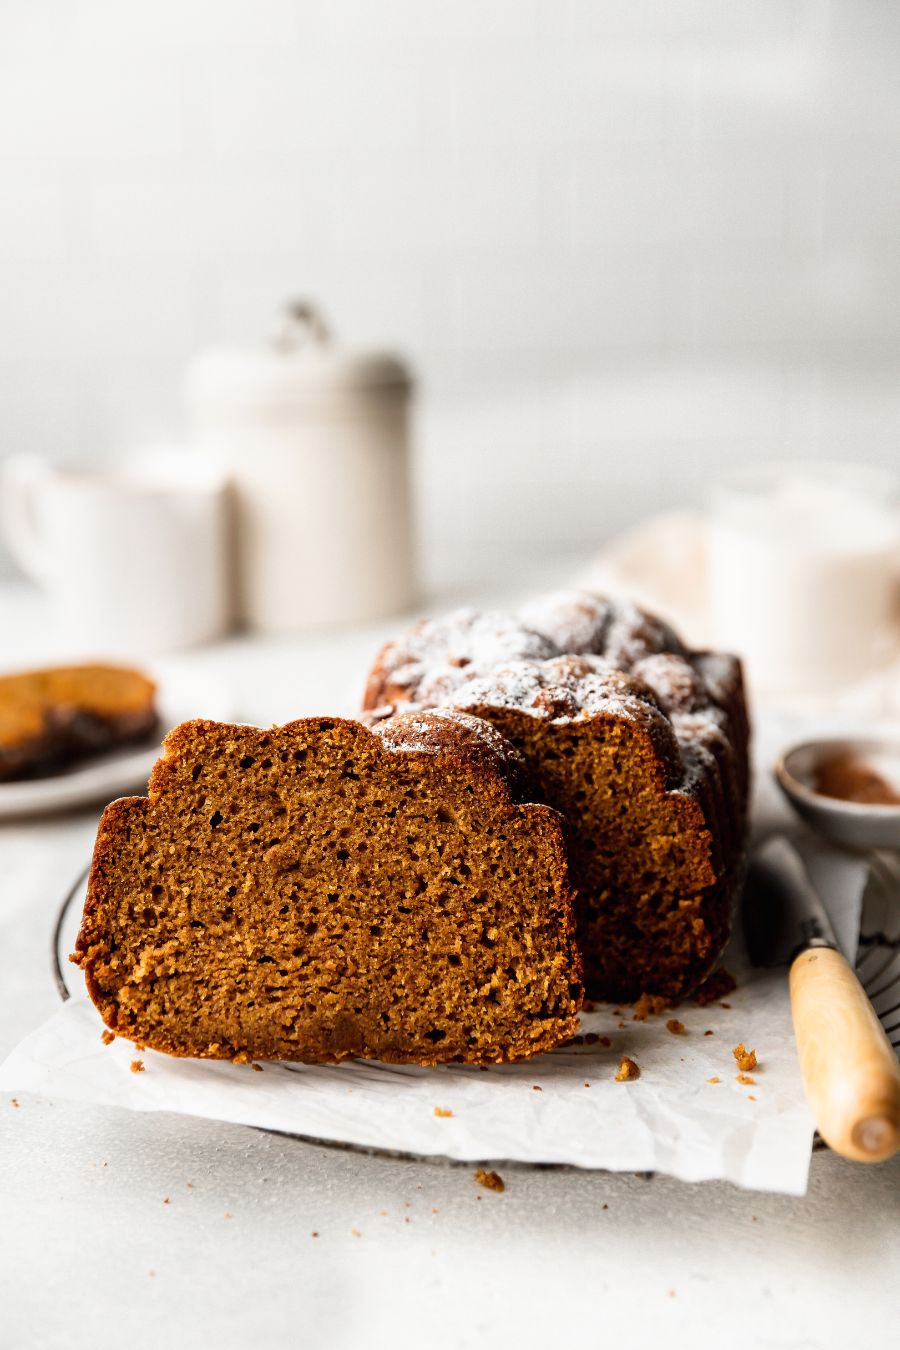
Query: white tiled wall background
x=624 y=243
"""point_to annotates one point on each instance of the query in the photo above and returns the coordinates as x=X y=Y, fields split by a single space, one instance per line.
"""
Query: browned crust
x=707 y=687
x=433 y=654
x=90 y=941
x=452 y=738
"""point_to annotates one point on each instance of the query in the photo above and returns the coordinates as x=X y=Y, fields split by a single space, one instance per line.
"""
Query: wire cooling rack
x=878 y=960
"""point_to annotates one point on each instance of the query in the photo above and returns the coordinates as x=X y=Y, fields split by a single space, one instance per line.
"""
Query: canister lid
x=301 y=363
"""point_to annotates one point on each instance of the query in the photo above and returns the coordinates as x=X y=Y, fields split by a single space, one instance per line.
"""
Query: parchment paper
x=671 y=1119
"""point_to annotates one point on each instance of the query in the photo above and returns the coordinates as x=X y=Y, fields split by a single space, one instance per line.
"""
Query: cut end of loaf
x=320 y=891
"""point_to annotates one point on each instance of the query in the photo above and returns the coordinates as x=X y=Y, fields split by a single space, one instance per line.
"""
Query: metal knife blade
x=782 y=911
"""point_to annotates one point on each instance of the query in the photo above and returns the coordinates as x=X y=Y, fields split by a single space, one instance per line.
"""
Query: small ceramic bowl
x=856 y=824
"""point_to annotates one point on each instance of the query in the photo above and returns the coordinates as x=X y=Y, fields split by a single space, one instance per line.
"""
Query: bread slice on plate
x=325 y=890
x=54 y=716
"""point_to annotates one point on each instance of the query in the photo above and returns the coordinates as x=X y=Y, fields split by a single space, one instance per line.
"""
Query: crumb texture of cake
x=642 y=746
x=321 y=891
x=53 y=716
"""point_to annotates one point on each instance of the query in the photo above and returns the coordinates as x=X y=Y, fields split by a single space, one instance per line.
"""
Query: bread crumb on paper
x=442 y=1112
x=713 y=1080
x=745 y=1059
x=627 y=1070
x=746 y=1079
x=675 y=1027
x=648 y=1005
x=137 y=1066
x=491 y=1181
x=107 y=1037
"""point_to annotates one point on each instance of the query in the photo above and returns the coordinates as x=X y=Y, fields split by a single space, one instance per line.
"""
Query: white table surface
x=120 y=1229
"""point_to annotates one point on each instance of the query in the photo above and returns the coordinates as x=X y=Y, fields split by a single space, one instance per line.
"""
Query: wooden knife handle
x=850 y=1070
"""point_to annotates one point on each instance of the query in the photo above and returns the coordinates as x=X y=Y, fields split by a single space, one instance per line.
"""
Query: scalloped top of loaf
x=582 y=623
x=457 y=734
x=451 y=733
x=436 y=659
x=435 y=655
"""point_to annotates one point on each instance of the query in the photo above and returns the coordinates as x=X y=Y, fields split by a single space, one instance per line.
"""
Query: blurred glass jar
x=803 y=572
x=317 y=445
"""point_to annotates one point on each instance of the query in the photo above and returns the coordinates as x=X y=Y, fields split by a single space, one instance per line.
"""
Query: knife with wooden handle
x=850 y=1071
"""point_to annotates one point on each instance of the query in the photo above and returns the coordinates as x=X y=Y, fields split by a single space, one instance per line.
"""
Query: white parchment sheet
x=671 y=1119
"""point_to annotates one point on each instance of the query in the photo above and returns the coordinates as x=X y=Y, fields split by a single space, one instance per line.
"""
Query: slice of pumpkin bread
x=653 y=806
x=53 y=716
x=322 y=890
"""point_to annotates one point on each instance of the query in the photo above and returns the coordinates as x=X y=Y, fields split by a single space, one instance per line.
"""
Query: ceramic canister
x=317 y=444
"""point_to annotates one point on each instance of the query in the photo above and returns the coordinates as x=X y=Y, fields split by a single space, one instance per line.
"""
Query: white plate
x=121 y=771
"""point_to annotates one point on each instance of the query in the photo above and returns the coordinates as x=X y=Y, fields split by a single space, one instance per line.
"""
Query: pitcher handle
x=20 y=476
